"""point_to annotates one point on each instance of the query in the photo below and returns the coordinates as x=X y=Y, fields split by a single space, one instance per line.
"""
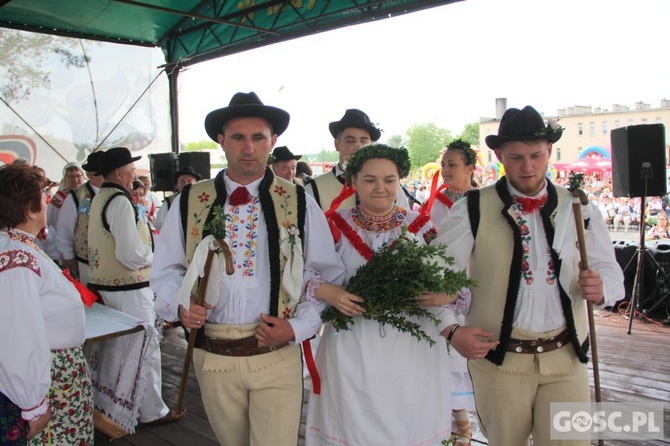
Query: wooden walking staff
x=579 y=199
x=199 y=300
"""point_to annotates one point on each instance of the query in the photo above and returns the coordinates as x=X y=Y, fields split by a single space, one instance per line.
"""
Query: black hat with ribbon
x=187 y=170
x=92 y=163
x=244 y=105
x=114 y=158
x=282 y=153
x=523 y=125
x=357 y=119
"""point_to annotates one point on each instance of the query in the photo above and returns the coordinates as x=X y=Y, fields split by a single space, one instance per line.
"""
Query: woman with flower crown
x=379 y=386
x=457 y=170
x=45 y=389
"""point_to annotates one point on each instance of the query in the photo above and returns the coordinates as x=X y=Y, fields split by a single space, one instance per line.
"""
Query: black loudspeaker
x=163 y=167
x=198 y=160
x=638 y=157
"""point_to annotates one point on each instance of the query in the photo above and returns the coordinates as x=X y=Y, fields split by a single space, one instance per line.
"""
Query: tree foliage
x=197 y=146
x=425 y=141
x=394 y=141
x=470 y=133
x=25 y=54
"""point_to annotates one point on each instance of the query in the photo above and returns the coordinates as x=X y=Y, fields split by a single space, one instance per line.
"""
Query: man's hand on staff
x=591 y=286
x=467 y=341
x=273 y=331
x=195 y=316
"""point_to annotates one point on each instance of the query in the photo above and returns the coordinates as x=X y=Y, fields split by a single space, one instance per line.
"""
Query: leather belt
x=236 y=347
x=538 y=345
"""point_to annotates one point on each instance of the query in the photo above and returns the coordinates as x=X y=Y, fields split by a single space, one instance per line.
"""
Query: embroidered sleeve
x=462 y=304
x=19 y=258
x=311 y=286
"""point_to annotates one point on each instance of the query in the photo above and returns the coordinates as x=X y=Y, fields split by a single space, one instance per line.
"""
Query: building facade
x=584 y=126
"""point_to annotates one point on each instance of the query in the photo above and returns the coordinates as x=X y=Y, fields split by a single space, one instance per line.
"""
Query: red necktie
x=240 y=196
x=530 y=205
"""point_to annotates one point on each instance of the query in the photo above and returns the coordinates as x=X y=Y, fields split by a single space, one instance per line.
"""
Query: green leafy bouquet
x=390 y=282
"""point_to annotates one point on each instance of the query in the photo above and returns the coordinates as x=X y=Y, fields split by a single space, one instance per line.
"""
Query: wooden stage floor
x=633 y=367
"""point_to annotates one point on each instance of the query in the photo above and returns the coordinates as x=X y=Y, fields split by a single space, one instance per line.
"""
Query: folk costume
x=72 y=230
x=274 y=215
x=526 y=292
x=379 y=386
x=42 y=363
x=120 y=253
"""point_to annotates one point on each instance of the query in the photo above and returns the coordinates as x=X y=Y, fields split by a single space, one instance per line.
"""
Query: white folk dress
x=462 y=392
x=379 y=386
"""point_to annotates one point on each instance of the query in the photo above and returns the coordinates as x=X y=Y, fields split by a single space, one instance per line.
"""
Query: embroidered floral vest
x=83 y=195
x=282 y=203
x=499 y=275
x=106 y=273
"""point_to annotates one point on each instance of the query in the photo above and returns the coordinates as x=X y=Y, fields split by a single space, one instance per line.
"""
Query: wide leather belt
x=539 y=345
x=236 y=347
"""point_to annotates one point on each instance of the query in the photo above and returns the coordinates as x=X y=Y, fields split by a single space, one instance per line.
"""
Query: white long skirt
x=380 y=388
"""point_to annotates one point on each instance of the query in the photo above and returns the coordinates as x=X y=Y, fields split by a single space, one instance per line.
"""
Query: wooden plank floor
x=633 y=367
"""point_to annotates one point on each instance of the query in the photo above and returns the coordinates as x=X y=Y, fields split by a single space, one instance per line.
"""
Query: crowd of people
x=275 y=250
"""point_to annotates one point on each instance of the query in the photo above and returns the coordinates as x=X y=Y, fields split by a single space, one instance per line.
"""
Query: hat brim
x=195 y=175
x=294 y=157
x=104 y=170
x=495 y=141
x=277 y=117
x=337 y=126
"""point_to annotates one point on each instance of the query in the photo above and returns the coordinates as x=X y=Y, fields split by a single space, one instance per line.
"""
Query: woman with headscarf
x=45 y=390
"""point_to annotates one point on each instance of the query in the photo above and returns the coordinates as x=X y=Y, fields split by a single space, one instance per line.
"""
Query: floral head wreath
x=470 y=155
x=399 y=157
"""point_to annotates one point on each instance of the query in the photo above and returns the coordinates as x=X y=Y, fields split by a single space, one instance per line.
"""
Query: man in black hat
x=185 y=175
x=120 y=253
x=353 y=131
x=526 y=331
x=247 y=357
x=72 y=226
x=284 y=164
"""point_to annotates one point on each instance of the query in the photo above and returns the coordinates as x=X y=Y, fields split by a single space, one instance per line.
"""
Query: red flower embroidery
x=203 y=197
x=195 y=232
x=13 y=433
x=530 y=280
x=286 y=313
x=525 y=266
x=525 y=249
x=280 y=191
x=524 y=230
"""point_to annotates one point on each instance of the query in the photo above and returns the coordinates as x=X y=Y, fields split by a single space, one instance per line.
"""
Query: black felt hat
x=92 y=164
x=357 y=119
x=282 y=153
x=187 y=170
x=114 y=158
x=244 y=105
x=523 y=125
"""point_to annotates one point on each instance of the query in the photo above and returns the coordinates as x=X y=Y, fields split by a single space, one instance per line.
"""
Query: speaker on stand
x=638 y=170
x=198 y=160
x=162 y=167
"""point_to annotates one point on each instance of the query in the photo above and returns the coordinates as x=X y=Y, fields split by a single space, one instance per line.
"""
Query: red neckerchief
x=530 y=205
x=346 y=192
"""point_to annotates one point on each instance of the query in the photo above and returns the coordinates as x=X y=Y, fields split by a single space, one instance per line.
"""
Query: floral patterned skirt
x=70 y=400
x=13 y=428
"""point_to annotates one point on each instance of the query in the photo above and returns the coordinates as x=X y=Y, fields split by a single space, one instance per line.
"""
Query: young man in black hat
x=72 y=226
x=353 y=131
x=247 y=358
x=284 y=164
x=526 y=331
x=120 y=253
x=185 y=175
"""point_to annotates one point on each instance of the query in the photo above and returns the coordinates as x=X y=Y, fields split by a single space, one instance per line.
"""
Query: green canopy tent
x=192 y=31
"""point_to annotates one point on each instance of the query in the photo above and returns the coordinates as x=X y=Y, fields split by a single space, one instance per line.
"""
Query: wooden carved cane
x=199 y=300
x=579 y=199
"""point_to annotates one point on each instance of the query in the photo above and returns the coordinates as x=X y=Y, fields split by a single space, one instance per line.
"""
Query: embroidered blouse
x=41 y=311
